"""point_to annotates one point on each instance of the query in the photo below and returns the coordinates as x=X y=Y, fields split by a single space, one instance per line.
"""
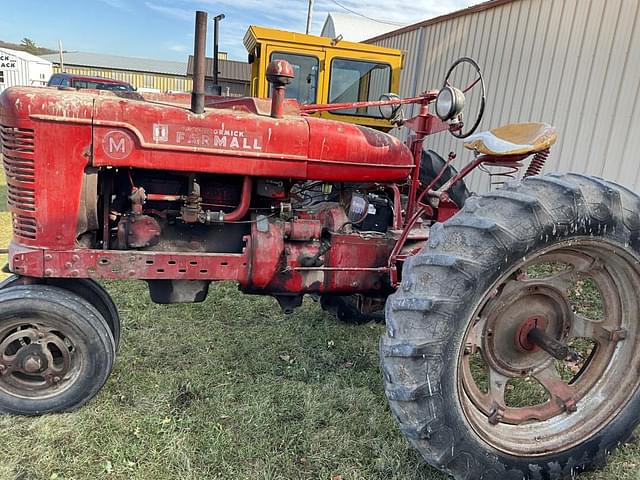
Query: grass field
x=5 y=220
x=230 y=389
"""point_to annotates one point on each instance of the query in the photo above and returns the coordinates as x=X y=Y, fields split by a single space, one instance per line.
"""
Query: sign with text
x=8 y=62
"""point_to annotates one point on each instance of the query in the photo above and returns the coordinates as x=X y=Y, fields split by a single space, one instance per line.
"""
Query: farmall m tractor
x=478 y=288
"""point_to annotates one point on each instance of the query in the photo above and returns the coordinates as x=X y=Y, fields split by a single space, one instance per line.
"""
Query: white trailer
x=22 y=68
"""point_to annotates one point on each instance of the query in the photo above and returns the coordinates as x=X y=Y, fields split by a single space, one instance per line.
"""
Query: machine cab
x=326 y=71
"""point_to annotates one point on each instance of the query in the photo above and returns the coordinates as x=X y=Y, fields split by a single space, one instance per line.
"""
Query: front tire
x=457 y=344
x=87 y=288
x=56 y=350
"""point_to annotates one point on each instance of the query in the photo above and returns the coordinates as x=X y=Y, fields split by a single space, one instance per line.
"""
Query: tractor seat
x=513 y=139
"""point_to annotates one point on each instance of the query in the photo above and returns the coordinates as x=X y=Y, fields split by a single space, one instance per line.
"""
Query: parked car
x=82 y=81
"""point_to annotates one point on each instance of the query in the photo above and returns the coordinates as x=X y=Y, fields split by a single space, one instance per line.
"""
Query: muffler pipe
x=199 y=62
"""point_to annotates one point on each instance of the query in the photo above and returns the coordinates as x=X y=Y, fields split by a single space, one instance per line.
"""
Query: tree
x=29 y=45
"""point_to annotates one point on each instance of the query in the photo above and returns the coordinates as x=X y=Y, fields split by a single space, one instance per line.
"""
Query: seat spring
x=537 y=163
x=507 y=172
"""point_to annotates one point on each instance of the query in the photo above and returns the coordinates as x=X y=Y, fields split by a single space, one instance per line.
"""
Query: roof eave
x=442 y=18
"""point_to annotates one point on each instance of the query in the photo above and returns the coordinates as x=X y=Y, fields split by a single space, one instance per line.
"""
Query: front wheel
x=56 y=350
x=513 y=343
x=88 y=289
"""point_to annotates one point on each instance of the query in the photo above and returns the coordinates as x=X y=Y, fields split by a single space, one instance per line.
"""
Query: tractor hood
x=232 y=136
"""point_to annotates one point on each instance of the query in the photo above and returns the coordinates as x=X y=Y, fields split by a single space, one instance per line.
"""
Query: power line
x=368 y=18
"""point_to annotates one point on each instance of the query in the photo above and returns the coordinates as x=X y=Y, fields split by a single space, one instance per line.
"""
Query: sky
x=163 y=29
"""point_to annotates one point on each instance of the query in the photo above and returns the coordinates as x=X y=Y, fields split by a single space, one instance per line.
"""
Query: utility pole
x=61 y=55
x=309 y=16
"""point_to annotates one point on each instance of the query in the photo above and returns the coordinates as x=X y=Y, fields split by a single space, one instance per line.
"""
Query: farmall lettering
x=220 y=138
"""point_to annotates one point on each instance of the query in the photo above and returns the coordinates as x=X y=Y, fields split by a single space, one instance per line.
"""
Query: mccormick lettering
x=214 y=138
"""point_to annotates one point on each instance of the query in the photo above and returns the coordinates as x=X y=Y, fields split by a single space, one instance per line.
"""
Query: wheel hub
x=33 y=358
x=33 y=364
x=521 y=308
x=517 y=364
x=522 y=340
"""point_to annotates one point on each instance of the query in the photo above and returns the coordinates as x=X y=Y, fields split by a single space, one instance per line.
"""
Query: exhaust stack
x=199 y=59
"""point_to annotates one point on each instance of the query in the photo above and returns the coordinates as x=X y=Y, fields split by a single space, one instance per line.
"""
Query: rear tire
x=56 y=350
x=472 y=273
x=430 y=166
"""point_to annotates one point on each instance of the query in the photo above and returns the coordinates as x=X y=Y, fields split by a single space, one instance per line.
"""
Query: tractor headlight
x=390 y=112
x=449 y=103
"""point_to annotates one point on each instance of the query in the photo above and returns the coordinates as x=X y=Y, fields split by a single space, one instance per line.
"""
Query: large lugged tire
x=56 y=350
x=459 y=342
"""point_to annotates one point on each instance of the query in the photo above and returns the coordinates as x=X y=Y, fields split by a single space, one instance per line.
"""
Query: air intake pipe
x=279 y=73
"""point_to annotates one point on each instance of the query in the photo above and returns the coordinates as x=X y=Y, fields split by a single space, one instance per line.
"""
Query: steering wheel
x=478 y=80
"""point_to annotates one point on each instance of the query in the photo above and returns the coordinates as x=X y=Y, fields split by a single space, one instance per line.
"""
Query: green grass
x=230 y=389
x=5 y=220
x=3 y=190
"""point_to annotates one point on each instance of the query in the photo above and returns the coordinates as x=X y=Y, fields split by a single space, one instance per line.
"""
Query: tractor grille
x=24 y=226
x=16 y=140
x=21 y=198
x=17 y=146
x=18 y=169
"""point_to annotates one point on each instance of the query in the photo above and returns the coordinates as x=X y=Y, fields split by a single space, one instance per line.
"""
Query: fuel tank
x=232 y=136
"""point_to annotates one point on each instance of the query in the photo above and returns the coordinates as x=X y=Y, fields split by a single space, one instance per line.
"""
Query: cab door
x=308 y=85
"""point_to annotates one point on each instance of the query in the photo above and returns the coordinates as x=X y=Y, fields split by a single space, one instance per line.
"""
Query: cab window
x=65 y=82
x=358 y=81
x=304 y=86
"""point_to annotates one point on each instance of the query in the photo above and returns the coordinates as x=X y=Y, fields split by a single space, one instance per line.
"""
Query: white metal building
x=22 y=68
x=572 y=63
x=353 y=28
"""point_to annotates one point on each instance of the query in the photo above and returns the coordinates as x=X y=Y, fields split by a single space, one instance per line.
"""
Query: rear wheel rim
x=577 y=409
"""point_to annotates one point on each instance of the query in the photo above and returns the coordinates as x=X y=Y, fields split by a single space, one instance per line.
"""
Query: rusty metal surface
x=523 y=331
x=34 y=358
x=239 y=140
x=278 y=256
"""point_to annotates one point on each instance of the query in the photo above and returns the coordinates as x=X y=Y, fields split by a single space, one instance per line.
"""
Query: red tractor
x=478 y=288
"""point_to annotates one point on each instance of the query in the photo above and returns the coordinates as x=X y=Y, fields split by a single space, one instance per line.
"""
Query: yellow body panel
x=262 y=42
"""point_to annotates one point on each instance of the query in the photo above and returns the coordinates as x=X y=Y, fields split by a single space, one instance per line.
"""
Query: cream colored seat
x=513 y=139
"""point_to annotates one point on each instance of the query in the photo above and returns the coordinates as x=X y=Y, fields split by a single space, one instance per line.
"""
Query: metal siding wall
x=164 y=83
x=571 y=63
x=236 y=89
x=19 y=76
